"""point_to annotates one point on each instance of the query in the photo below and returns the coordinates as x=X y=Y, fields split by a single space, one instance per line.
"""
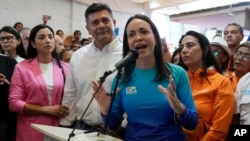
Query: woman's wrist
x=181 y=110
x=104 y=112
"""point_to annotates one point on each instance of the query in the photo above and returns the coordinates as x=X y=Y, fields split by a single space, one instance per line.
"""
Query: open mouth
x=140 y=47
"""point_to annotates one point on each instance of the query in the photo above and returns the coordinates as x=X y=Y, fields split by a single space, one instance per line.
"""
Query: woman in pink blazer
x=37 y=86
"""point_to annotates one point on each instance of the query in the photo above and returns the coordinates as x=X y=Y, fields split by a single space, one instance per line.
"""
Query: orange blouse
x=214 y=101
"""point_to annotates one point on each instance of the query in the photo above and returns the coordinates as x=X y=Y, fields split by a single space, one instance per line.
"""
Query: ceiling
x=170 y=7
x=158 y=4
x=216 y=17
x=206 y=13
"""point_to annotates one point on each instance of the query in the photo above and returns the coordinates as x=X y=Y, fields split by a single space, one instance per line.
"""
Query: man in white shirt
x=89 y=63
x=242 y=95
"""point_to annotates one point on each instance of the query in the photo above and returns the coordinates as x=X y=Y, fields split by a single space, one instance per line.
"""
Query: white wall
x=67 y=15
x=30 y=12
x=172 y=31
x=78 y=19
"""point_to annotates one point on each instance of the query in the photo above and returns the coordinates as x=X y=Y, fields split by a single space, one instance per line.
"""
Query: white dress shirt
x=88 y=64
x=242 y=94
x=19 y=59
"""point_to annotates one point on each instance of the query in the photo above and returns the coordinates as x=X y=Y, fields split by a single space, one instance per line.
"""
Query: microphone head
x=131 y=56
x=134 y=54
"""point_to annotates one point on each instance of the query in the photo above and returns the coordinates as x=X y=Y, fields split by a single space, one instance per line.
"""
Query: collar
x=200 y=71
x=109 y=47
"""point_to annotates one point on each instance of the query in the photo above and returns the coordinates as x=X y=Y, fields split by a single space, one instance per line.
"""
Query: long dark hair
x=32 y=52
x=177 y=51
x=19 y=49
x=208 y=57
x=162 y=68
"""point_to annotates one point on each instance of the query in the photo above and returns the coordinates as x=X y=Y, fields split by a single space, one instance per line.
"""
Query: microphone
x=131 y=56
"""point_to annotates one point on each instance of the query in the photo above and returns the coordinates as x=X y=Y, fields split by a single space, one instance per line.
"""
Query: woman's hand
x=57 y=110
x=2 y=79
x=170 y=93
x=101 y=97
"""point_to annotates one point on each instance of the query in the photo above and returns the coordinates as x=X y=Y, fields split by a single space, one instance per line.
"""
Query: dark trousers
x=8 y=129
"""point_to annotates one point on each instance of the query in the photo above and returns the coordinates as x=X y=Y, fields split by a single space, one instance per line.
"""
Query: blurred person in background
x=176 y=56
x=223 y=55
x=84 y=41
x=60 y=33
x=241 y=66
x=67 y=41
x=77 y=36
x=75 y=46
x=65 y=55
x=233 y=34
x=25 y=35
x=58 y=44
x=11 y=43
x=241 y=60
x=243 y=101
x=165 y=50
x=18 y=26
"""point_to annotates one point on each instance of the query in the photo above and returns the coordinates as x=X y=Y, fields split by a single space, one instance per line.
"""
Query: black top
x=7 y=65
x=7 y=119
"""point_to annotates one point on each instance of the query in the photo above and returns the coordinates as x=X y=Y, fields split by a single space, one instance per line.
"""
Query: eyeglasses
x=7 y=38
x=216 y=52
x=244 y=56
x=26 y=38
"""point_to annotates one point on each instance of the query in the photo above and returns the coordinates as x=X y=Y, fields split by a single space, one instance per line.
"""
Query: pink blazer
x=28 y=86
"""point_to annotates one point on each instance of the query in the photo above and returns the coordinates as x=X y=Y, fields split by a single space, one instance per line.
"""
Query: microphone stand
x=102 y=79
x=112 y=95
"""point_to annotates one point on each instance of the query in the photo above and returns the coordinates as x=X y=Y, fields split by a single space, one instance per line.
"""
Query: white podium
x=52 y=133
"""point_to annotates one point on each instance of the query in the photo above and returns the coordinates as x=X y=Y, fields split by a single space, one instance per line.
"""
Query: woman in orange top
x=212 y=92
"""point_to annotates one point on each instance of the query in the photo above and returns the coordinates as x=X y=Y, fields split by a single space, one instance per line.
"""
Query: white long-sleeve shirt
x=88 y=64
x=242 y=94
